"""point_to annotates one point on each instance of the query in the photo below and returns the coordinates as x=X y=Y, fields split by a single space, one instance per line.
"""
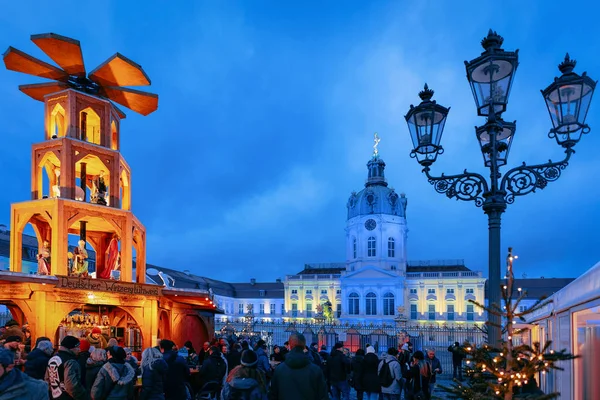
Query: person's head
x=222 y=342
x=116 y=354
x=150 y=355
x=392 y=351
x=314 y=346
x=98 y=355
x=276 y=350
x=45 y=346
x=360 y=352
x=249 y=359
x=213 y=350
x=431 y=354
x=7 y=361
x=27 y=333
x=287 y=345
x=418 y=355
x=70 y=343
x=96 y=332
x=338 y=346
x=113 y=342
x=84 y=345
x=11 y=323
x=128 y=353
x=12 y=342
x=245 y=345
x=81 y=244
x=296 y=340
x=189 y=346
x=456 y=344
x=225 y=349
x=41 y=339
x=206 y=346
x=370 y=349
x=323 y=347
x=166 y=345
x=261 y=344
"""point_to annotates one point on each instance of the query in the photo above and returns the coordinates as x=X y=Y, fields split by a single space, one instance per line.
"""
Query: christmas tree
x=508 y=370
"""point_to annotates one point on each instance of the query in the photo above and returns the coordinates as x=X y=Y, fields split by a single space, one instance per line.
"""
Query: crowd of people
x=99 y=369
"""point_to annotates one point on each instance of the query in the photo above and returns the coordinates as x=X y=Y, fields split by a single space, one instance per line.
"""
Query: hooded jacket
x=15 y=385
x=67 y=386
x=153 y=380
x=297 y=378
x=338 y=366
x=91 y=372
x=177 y=375
x=114 y=382
x=370 y=379
x=248 y=386
x=394 y=388
x=36 y=364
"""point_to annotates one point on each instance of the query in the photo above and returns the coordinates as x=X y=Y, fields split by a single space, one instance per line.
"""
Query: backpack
x=385 y=375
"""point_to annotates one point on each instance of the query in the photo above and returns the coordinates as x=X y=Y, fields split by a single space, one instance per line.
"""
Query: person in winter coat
x=369 y=378
x=37 y=360
x=131 y=360
x=418 y=375
x=393 y=391
x=297 y=378
x=92 y=367
x=82 y=357
x=234 y=356
x=357 y=373
x=15 y=385
x=64 y=374
x=338 y=367
x=245 y=381
x=96 y=339
x=458 y=354
x=214 y=367
x=435 y=366
x=276 y=356
x=154 y=374
x=116 y=378
x=263 y=358
x=177 y=373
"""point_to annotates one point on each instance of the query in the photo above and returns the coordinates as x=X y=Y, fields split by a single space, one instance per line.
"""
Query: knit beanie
x=13 y=338
x=370 y=349
x=117 y=353
x=69 y=342
x=338 y=345
x=11 y=322
x=84 y=345
x=249 y=358
x=96 y=330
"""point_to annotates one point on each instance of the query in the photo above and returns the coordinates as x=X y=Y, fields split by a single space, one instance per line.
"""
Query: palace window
x=450 y=314
x=272 y=308
x=308 y=291
x=413 y=291
x=338 y=310
x=371 y=303
x=430 y=291
x=522 y=309
x=262 y=308
x=323 y=291
x=241 y=308
x=470 y=291
x=261 y=293
x=470 y=313
x=388 y=304
x=308 y=310
x=353 y=301
x=57 y=122
x=449 y=291
x=371 y=246
x=353 y=247
x=413 y=312
x=338 y=291
x=294 y=291
x=391 y=247
x=431 y=313
x=90 y=126
x=294 y=310
x=283 y=309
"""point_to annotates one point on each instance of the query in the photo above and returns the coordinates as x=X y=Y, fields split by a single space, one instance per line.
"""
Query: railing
x=437 y=263
x=461 y=274
x=325 y=265
x=312 y=277
x=355 y=336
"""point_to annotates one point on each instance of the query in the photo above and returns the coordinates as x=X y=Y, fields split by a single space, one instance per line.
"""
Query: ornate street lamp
x=491 y=75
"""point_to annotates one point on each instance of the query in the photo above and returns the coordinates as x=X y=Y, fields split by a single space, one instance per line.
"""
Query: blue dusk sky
x=266 y=119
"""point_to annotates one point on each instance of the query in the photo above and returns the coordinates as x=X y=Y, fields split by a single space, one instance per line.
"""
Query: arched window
x=90 y=126
x=371 y=303
x=391 y=247
x=57 y=122
x=353 y=247
x=371 y=246
x=353 y=301
x=388 y=304
x=114 y=136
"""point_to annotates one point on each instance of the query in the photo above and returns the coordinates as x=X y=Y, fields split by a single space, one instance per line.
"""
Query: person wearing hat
x=14 y=344
x=82 y=357
x=64 y=374
x=96 y=339
x=37 y=360
x=16 y=385
x=338 y=368
x=263 y=358
x=245 y=381
x=12 y=328
x=116 y=378
x=214 y=368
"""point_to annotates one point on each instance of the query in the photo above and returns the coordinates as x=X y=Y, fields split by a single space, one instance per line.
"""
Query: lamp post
x=490 y=76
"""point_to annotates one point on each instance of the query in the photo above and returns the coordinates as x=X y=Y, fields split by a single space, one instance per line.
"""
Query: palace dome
x=376 y=197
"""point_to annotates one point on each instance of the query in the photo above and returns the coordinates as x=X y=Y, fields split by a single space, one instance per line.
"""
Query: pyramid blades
x=37 y=91
x=64 y=51
x=140 y=102
x=119 y=71
x=16 y=60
